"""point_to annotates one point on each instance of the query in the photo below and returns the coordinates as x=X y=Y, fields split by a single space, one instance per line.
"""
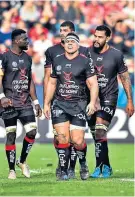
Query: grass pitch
x=43 y=161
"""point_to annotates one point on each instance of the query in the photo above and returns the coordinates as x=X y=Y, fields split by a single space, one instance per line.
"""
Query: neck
x=71 y=56
x=16 y=50
x=105 y=48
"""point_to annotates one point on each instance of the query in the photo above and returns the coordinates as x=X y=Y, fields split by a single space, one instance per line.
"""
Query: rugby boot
x=106 y=171
x=24 y=167
x=12 y=174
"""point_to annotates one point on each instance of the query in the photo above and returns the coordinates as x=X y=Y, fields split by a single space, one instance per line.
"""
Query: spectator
x=29 y=13
x=42 y=44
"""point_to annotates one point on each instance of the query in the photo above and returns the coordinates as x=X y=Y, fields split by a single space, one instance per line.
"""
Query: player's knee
x=62 y=139
x=11 y=136
x=78 y=140
x=32 y=134
x=31 y=130
x=100 y=131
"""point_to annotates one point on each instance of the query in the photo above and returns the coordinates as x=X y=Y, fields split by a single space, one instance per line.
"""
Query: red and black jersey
x=17 y=77
x=71 y=77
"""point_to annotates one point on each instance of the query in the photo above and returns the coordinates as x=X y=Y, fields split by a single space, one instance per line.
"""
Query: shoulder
x=115 y=52
x=28 y=57
x=53 y=48
x=59 y=57
x=83 y=57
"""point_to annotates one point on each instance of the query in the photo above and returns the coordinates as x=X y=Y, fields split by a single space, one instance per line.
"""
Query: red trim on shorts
x=62 y=145
x=29 y=140
x=10 y=147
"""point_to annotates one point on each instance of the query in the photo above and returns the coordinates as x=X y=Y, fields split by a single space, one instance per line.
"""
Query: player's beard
x=98 y=49
x=24 y=48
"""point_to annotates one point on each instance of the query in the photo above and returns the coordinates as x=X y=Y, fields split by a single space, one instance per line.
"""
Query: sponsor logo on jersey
x=21 y=61
x=99 y=59
x=68 y=65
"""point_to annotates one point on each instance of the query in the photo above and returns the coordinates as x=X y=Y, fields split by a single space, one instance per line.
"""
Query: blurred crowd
x=42 y=19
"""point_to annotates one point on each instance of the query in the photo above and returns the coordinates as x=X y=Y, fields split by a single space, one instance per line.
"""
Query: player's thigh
x=103 y=120
x=10 y=124
x=62 y=131
x=27 y=118
x=77 y=128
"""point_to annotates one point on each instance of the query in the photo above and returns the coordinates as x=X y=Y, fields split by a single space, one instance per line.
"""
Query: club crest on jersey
x=99 y=69
x=67 y=76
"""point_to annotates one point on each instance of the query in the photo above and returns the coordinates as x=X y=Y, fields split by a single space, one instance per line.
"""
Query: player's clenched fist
x=5 y=102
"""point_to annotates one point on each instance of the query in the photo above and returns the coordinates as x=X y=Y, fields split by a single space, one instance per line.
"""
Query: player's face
x=23 y=42
x=99 y=40
x=71 y=46
x=64 y=32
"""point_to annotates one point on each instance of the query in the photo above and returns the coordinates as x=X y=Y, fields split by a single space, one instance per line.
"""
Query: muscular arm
x=125 y=79
x=93 y=87
x=47 y=73
x=51 y=87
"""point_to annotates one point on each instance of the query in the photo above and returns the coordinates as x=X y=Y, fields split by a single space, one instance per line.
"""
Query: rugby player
x=70 y=72
x=108 y=62
x=17 y=91
x=52 y=52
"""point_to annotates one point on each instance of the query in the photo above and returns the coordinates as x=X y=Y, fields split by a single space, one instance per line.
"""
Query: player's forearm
x=46 y=80
x=47 y=73
x=51 y=87
x=94 y=93
x=33 y=91
x=125 y=79
x=92 y=84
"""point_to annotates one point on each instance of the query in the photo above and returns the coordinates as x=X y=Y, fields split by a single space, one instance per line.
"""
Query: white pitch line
x=126 y=179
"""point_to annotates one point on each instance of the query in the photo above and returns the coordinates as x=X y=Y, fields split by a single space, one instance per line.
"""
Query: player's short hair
x=17 y=32
x=69 y=24
x=73 y=36
x=104 y=28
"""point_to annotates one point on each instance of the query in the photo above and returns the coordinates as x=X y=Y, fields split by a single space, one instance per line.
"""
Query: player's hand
x=130 y=108
x=5 y=102
x=47 y=111
x=38 y=110
x=91 y=109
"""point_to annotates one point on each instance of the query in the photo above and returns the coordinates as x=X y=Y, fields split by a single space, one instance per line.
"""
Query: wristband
x=35 y=102
x=2 y=95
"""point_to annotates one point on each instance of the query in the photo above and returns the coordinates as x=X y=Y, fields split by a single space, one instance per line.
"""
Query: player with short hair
x=70 y=73
x=51 y=53
x=16 y=92
x=108 y=62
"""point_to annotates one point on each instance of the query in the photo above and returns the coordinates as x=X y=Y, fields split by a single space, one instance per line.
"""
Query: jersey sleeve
x=53 y=72
x=90 y=71
x=3 y=61
x=121 y=64
x=48 y=59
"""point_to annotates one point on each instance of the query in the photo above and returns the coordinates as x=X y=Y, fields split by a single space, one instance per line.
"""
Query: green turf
x=43 y=181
